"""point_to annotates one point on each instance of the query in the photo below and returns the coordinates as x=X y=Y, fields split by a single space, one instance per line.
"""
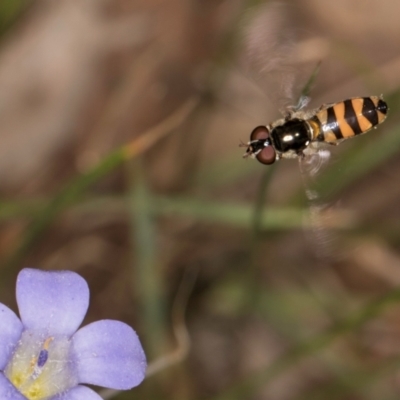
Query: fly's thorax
x=292 y=136
x=350 y=118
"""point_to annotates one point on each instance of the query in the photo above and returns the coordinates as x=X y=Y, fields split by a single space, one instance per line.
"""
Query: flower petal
x=54 y=301
x=109 y=354
x=10 y=332
x=8 y=390
x=79 y=393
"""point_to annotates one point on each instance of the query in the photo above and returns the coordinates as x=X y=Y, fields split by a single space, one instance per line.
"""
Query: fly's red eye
x=267 y=155
x=261 y=132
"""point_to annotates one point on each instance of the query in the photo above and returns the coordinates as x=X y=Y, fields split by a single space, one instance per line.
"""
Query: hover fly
x=299 y=132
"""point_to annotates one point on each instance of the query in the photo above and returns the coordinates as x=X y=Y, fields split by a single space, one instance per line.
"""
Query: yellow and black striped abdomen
x=349 y=118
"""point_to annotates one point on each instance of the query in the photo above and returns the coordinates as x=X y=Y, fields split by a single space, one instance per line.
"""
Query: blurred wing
x=320 y=214
x=316 y=157
x=269 y=54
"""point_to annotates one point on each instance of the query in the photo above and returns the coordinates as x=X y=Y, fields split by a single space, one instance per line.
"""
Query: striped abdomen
x=349 y=118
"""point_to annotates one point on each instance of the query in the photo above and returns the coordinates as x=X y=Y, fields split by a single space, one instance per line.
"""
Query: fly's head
x=260 y=146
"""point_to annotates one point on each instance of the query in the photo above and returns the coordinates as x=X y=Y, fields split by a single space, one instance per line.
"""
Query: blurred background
x=119 y=130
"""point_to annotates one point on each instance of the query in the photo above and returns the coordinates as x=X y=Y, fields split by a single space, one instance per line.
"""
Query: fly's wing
x=270 y=55
x=322 y=217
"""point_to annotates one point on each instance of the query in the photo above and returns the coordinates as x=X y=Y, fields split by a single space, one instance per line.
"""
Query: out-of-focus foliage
x=10 y=10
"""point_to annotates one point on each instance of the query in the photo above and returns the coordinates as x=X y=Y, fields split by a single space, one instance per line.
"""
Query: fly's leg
x=288 y=113
x=301 y=155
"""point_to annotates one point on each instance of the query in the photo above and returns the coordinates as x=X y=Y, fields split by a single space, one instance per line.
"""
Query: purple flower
x=43 y=356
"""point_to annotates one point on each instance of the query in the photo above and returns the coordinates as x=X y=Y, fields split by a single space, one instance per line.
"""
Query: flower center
x=41 y=366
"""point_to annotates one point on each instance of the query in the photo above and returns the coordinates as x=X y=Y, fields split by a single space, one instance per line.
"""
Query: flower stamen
x=39 y=362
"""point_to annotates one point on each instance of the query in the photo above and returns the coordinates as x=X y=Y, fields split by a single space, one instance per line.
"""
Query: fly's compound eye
x=261 y=132
x=264 y=152
x=267 y=155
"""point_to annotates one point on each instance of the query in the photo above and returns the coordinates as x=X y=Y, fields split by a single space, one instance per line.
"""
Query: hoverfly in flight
x=299 y=133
